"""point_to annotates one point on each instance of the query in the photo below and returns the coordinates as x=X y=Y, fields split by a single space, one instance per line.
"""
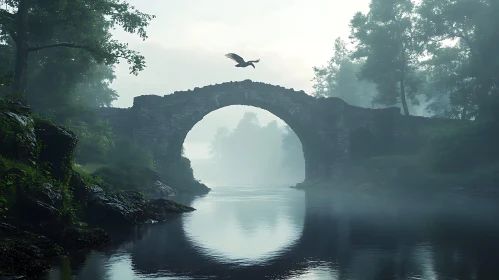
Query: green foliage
x=87 y=178
x=126 y=177
x=82 y=25
x=467 y=70
x=6 y=80
x=28 y=174
x=3 y=206
x=126 y=151
x=14 y=175
x=465 y=149
x=95 y=140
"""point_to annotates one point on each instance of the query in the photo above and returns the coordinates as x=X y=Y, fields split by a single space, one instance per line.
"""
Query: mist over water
x=250 y=232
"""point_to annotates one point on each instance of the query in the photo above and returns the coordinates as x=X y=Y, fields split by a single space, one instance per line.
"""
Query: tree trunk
x=22 y=53
x=402 y=98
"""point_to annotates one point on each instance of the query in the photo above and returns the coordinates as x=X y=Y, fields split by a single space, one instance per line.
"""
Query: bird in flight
x=240 y=61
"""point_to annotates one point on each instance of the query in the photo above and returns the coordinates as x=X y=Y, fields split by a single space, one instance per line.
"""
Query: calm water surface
x=242 y=232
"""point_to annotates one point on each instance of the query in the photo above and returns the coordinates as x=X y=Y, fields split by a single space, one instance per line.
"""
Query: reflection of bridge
x=168 y=249
x=359 y=242
x=326 y=238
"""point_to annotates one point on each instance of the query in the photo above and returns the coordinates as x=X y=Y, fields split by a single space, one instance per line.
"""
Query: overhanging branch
x=5 y=16
x=63 y=44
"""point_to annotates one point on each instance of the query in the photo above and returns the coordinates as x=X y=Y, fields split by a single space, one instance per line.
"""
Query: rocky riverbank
x=46 y=208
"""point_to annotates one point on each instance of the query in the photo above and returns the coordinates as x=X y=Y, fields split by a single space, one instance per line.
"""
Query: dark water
x=281 y=233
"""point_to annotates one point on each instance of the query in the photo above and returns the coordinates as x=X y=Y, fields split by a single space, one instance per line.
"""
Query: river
x=242 y=232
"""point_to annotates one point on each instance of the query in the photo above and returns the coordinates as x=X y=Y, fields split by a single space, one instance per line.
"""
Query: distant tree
x=387 y=39
x=38 y=25
x=253 y=153
x=219 y=143
x=339 y=78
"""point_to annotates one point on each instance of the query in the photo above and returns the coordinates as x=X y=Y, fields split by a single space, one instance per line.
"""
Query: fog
x=256 y=149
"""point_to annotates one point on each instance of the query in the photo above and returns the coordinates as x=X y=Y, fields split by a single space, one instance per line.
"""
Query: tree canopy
x=441 y=52
x=35 y=26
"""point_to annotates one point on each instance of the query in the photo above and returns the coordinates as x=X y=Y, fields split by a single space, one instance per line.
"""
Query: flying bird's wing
x=254 y=61
x=235 y=57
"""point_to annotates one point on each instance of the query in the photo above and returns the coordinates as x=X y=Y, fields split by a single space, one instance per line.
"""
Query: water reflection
x=246 y=225
x=273 y=234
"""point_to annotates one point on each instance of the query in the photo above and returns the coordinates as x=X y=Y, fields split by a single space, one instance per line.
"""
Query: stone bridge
x=330 y=130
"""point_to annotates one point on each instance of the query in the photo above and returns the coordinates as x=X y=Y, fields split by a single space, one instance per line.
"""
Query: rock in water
x=160 y=209
x=128 y=208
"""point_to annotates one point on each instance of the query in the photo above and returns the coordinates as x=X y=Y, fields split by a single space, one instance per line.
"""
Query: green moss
x=15 y=175
x=29 y=174
x=38 y=118
x=89 y=179
x=126 y=177
x=91 y=167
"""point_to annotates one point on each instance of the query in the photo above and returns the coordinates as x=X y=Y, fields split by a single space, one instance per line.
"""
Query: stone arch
x=162 y=123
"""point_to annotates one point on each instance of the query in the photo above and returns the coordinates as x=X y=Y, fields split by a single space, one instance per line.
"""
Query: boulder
x=108 y=209
x=25 y=253
x=136 y=178
x=158 y=189
x=76 y=238
x=160 y=209
x=127 y=208
x=38 y=206
x=56 y=148
x=17 y=137
x=78 y=188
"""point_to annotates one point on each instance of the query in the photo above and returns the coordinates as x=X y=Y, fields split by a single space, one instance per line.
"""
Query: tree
x=449 y=78
x=28 y=23
x=473 y=24
x=387 y=39
x=339 y=78
x=63 y=79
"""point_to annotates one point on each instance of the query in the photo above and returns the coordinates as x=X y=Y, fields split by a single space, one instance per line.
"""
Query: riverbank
x=410 y=175
x=47 y=209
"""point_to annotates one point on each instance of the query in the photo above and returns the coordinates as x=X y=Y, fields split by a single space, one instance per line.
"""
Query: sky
x=188 y=40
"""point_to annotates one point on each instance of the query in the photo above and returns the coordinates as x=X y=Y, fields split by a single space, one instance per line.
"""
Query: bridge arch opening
x=163 y=122
x=244 y=145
